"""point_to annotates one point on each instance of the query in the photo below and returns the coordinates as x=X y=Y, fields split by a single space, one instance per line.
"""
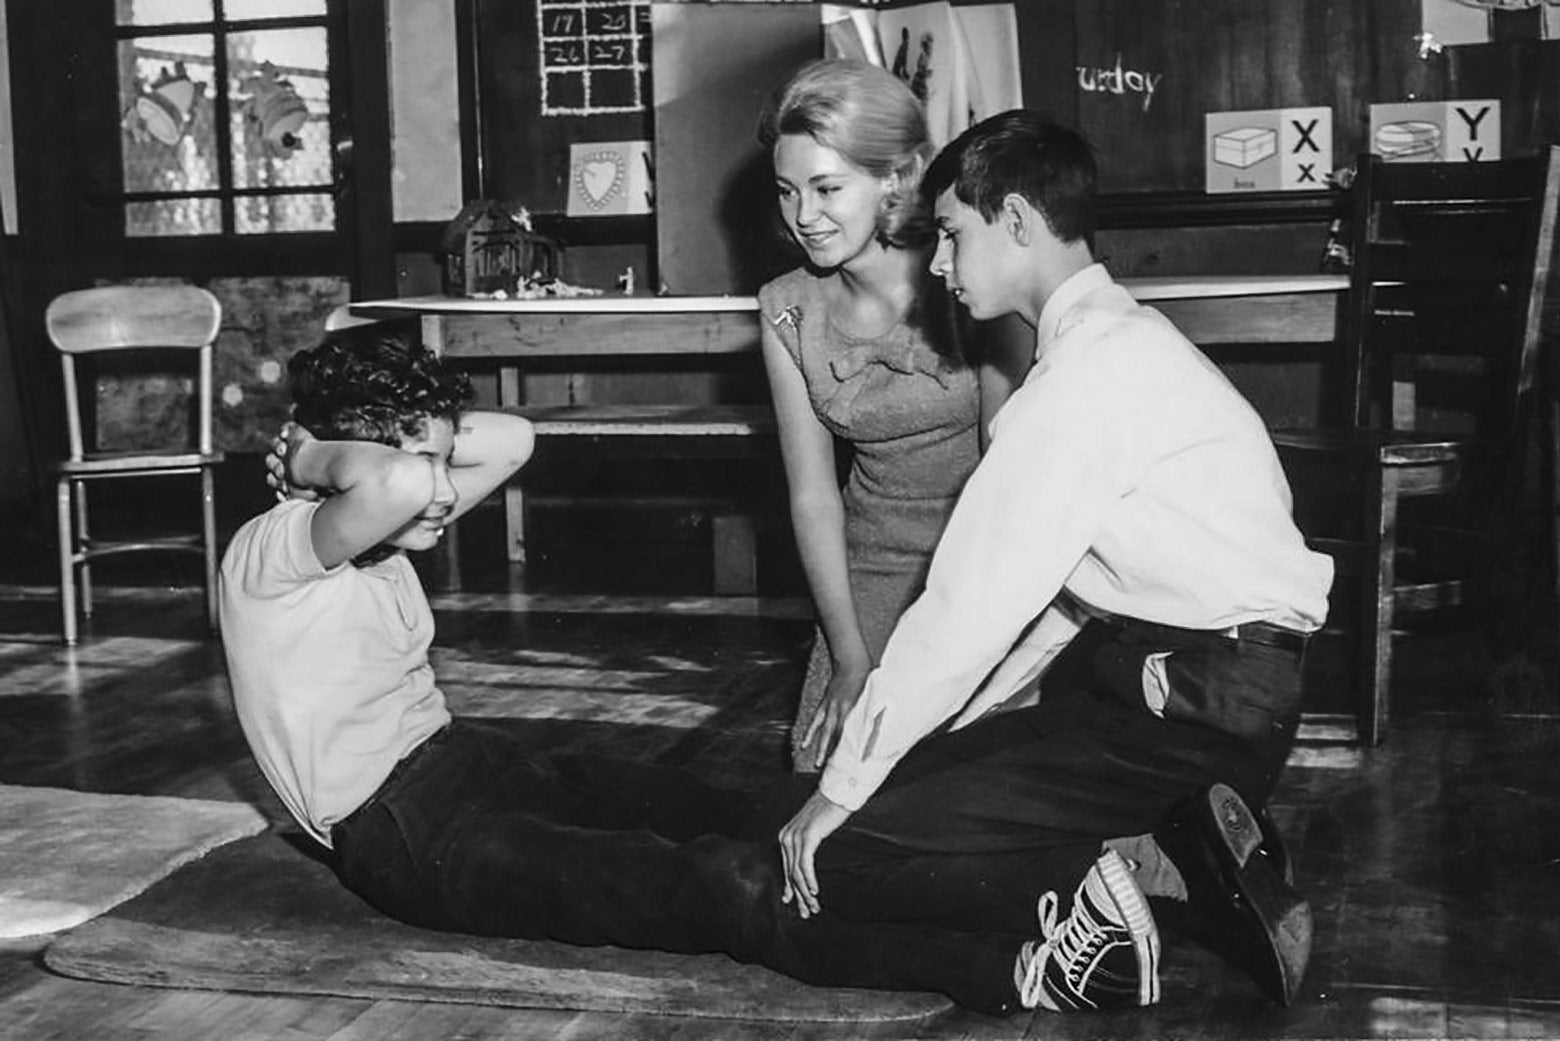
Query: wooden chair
x=1441 y=333
x=115 y=319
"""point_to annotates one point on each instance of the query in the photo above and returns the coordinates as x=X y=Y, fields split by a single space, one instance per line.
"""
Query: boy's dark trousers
x=932 y=885
x=474 y=835
x=972 y=825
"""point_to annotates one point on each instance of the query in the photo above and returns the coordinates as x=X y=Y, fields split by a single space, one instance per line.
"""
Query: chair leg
x=208 y=509
x=84 y=541
x=67 y=543
x=511 y=391
x=1375 y=660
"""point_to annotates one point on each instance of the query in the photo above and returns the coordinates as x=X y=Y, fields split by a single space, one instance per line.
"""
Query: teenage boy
x=1126 y=538
x=449 y=823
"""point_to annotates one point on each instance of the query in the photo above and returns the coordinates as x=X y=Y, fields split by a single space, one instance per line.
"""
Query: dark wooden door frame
x=367 y=110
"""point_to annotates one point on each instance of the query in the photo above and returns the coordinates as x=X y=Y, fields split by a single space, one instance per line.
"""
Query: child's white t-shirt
x=329 y=669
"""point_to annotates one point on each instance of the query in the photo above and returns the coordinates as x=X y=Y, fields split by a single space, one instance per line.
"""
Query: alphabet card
x=1436 y=131
x=1276 y=149
x=610 y=178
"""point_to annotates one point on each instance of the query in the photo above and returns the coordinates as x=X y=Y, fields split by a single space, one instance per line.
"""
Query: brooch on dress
x=789 y=316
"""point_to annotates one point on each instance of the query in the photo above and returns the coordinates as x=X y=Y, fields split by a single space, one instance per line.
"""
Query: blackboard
x=1200 y=56
x=1203 y=56
x=544 y=74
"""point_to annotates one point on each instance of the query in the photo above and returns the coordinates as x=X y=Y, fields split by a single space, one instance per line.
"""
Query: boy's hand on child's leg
x=280 y=473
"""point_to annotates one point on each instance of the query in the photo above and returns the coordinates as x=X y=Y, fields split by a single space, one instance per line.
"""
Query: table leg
x=736 y=554
x=433 y=333
x=509 y=396
x=432 y=326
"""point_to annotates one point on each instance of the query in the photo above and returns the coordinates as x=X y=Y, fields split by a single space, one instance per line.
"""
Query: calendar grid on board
x=594 y=56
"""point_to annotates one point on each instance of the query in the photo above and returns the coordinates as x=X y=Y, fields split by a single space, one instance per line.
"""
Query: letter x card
x=1276 y=149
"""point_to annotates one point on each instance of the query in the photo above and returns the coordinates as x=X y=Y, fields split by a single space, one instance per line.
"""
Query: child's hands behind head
x=280 y=471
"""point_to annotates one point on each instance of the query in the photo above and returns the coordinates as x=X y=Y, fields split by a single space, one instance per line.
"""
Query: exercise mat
x=265 y=916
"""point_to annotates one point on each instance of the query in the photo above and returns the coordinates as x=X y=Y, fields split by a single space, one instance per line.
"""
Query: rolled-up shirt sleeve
x=1058 y=461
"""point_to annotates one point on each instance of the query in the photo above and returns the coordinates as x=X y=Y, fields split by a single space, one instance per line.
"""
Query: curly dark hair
x=371 y=384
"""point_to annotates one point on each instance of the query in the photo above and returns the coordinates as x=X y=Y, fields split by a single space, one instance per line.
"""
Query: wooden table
x=1209 y=310
x=1245 y=309
x=508 y=331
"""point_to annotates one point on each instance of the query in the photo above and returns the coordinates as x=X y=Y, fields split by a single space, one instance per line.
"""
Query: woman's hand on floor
x=839 y=697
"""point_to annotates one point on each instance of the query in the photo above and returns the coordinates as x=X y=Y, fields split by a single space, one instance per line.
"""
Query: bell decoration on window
x=161 y=111
x=275 y=109
x=490 y=251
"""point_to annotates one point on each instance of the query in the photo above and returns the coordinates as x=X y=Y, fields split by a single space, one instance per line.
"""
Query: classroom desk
x=1211 y=311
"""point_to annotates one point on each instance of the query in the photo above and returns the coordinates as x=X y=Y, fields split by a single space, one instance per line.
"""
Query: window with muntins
x=226 y=117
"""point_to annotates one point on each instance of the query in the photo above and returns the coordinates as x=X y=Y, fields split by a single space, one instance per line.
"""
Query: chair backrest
x=119 y=318
x=1450 y=263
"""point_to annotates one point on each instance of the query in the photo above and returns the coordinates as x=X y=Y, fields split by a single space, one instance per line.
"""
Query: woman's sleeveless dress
x=910 y=416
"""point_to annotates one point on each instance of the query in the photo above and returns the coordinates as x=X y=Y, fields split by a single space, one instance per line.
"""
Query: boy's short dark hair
x=1021 y=152
x=372 y=383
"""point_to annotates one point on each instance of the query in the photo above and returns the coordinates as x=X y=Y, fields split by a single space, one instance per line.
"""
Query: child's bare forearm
x=489 y=448
x=371 y=490
x=492 y=439
x=333 y=467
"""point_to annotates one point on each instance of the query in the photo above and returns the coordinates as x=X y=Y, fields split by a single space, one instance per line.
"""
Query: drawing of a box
x=1244 y=146
x=1276 y=149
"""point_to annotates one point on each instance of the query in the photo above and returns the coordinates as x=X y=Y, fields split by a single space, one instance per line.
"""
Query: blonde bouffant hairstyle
x=869 y=116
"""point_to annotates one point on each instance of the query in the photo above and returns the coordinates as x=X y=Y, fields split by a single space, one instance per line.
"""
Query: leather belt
x=1270 y=635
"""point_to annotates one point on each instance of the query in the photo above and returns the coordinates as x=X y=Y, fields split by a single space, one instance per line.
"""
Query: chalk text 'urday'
x=1118 y=79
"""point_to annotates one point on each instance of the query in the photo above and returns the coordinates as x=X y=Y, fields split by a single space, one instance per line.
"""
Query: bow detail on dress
x=851 y=362
x=900 y=354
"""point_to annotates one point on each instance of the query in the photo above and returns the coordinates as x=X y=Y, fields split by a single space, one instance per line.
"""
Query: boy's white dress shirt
x=1127 y=471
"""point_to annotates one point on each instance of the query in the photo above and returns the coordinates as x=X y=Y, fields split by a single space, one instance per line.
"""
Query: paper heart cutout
x=601 y=176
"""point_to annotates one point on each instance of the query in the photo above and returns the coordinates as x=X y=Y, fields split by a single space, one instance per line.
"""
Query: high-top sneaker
x=1104 y=956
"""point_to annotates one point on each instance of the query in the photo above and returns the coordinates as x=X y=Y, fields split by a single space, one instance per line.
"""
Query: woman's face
x=829 y=205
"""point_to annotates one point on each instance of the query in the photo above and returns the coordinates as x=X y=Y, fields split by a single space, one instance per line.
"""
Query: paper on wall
x=962 y=62
x=1278 y=149
x=1436 y=131
x=991 y=33
x=1451 y=22
x=849 y=32
x=610 y=178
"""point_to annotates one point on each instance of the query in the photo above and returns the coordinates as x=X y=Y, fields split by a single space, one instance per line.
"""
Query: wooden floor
x=1433 y=862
